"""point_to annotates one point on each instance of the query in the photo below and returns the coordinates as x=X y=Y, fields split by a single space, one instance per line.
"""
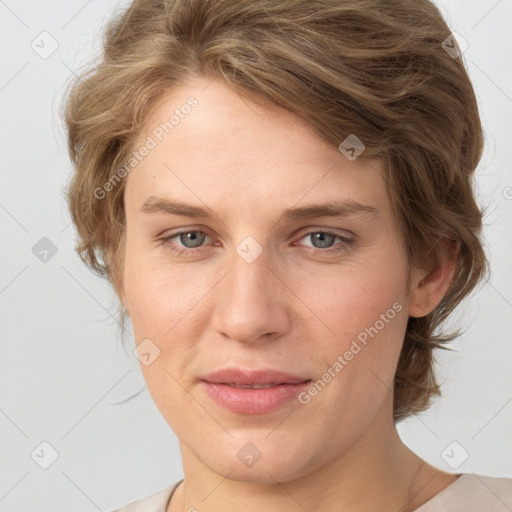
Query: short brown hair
x=376 y=69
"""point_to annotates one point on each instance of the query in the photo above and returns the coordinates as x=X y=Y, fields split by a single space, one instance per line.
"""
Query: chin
x=258 y=459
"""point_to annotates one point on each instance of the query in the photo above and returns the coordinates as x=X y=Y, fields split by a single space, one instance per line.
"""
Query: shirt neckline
x=172 y=492
x=459 y=477
x=444 y=491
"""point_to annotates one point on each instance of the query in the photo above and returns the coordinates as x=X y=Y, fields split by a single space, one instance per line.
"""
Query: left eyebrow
x=330 y=209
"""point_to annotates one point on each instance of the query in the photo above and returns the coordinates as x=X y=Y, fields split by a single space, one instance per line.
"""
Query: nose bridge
x=249 y=306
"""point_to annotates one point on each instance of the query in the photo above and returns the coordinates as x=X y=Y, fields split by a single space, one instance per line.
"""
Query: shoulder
x=156 y=502
x=473 y=493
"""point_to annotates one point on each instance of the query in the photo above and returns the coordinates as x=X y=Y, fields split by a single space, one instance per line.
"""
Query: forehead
x=209 y=143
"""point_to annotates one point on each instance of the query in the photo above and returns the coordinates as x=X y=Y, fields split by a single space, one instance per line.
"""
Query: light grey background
x=63 y=367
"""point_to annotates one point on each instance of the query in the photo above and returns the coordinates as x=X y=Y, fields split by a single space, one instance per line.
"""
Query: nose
x=251 y=302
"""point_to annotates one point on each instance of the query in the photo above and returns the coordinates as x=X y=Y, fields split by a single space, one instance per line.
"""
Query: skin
x=295 y=308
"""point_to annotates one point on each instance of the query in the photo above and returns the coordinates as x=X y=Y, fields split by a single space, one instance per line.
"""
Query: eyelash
x=345 y=242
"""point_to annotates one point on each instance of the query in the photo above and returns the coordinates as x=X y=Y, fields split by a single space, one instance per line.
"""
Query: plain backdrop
x=64 y=370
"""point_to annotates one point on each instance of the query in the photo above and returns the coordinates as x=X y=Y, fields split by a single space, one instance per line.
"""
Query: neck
x=378 y=472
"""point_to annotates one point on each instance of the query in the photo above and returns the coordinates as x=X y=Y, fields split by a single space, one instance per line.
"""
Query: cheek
x=364 y=307
x=166 y=313
x=167 y=307
x=350 y=298
x=159 y=295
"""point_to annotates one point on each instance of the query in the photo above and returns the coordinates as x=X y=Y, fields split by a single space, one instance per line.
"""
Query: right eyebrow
x=162 y=205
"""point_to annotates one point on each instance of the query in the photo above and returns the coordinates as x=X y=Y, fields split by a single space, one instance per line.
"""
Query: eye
x=191 y=239
x=325 y=241
x=185 y=242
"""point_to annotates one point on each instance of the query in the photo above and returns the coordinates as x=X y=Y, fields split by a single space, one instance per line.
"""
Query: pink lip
x=285 y=387
x=253 y=401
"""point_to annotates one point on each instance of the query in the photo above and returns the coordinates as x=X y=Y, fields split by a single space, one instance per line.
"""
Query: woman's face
x=265 y=279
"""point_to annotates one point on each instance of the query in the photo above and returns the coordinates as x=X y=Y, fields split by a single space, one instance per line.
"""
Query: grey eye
x=192 y=239
x=322 y=240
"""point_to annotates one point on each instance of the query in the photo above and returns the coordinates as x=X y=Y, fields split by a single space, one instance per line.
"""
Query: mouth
x=260 y=386
x=252 y=400
x=253 y=391
x=256 y=379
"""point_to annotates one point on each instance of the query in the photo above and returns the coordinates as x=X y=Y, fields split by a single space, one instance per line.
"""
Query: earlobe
x=430 y=286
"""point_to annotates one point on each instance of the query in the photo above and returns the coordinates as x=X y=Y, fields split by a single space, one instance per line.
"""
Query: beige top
x=469 y=493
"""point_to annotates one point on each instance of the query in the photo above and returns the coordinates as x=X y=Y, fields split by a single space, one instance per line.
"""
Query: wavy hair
x=387 y=71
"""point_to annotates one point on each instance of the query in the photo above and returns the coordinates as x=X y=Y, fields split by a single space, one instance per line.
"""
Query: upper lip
x=247 y=377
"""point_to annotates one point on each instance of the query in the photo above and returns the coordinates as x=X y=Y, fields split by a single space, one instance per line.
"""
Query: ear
x=430 y=286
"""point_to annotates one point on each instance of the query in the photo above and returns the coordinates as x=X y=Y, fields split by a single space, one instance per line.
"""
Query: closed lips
x=256 y=379
x=258 y=386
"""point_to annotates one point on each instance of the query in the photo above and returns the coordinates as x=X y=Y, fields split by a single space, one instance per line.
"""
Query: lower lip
x=253 y=401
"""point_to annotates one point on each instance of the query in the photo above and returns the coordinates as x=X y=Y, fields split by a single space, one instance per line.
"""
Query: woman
x=280 y=194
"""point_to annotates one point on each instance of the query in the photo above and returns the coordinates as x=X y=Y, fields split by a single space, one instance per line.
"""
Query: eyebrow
x=340 y=208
